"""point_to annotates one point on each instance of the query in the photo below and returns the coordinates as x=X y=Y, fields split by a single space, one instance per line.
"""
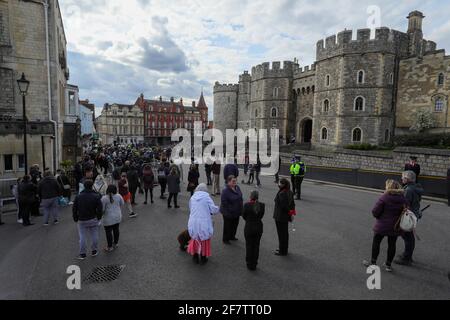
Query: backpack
x=407 y=221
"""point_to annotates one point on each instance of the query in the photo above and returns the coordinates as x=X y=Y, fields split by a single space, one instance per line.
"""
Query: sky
x=118 y=49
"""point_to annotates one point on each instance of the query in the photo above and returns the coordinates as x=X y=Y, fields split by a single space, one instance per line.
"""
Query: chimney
x=160 y=98
x=193 y=104
x=181 y=101
x=415 y=21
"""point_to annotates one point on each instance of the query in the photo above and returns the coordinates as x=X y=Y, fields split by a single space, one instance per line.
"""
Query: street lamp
x=23 y=88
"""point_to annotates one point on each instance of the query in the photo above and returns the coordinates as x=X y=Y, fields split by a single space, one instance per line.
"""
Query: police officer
x=293 y=174
x=298 y=170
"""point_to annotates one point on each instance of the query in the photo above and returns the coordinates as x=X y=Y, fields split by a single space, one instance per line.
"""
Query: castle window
x=327 y=80
x=308 y=90
x=324 y=134
x=326 y=106
x=229 y=99
x=359 y=104
x=360 y=79
x=439 y=105
x=391 y=78
x=256 y=113
x=303 y=91
x=357 y=135
x=441 y=79
x=274 y=112
x=313 y=89
x=387 y=136
x=275 y=92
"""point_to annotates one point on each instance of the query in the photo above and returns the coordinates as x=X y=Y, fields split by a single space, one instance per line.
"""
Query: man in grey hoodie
x=413 y=194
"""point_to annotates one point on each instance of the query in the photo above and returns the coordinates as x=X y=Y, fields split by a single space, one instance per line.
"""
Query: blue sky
x=120 y=48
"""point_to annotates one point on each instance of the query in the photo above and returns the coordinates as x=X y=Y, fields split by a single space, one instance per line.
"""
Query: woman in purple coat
x=387 y=211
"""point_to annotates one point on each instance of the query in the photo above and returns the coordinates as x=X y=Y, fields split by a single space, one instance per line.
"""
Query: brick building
x=161 y=118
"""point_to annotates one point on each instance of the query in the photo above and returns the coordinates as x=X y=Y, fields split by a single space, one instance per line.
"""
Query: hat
x=413 y=158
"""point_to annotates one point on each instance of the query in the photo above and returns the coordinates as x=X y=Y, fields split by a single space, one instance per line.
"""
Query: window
x=387 y=136
x=308 y=90
x=439 y=105
x=21 y=162
x=256 y=113
x=359 y=104
x=326 y=106
x=324 y=134
x=357 y=135
x=229 y=99
x=72 y=104
x=391 y=78
x=274 y=112
x=303 y=91
x=275 y=92
x=327 y=80
x=360 y=79
x=441 y=79
x=8 y=162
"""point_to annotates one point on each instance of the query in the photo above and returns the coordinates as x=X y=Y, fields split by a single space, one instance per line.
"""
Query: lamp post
x=23 y=88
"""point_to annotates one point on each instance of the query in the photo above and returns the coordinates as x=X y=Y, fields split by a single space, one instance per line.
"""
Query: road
x=333 y=235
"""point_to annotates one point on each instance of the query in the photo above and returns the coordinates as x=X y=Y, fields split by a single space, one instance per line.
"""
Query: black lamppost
x=23 y=88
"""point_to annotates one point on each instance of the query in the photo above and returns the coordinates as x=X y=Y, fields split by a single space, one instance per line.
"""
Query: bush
x=362 y=146
x=423 y=140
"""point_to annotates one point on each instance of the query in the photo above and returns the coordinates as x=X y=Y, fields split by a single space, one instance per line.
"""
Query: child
x=126 y=195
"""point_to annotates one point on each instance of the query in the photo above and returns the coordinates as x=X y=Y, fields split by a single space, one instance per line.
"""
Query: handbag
x=63 y=202
x=407 y=221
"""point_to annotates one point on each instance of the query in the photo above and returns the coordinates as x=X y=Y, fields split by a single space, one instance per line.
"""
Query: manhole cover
x=104 y=274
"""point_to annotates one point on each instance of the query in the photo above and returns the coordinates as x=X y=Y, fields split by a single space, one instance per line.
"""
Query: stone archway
x=305 y=130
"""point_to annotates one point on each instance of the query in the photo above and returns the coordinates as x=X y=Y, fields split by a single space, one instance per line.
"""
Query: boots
x=196 y=258
x=204 y=260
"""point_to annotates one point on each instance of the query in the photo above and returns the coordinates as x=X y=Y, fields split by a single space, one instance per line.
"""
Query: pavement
x=333 y=234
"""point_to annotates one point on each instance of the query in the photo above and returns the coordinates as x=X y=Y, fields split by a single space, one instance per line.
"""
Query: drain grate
x=104 y=274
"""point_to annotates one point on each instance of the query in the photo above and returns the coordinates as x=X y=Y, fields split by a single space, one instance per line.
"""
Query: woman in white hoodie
x=200 y=224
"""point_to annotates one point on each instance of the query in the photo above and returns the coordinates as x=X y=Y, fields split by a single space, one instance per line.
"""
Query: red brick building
x=161 y=118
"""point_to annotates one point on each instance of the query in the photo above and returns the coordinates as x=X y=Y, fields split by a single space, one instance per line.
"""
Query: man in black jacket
x=87 y=212
x=49 y=190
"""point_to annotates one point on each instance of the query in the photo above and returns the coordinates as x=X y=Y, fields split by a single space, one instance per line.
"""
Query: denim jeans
x=86 y=228
x=50 y=207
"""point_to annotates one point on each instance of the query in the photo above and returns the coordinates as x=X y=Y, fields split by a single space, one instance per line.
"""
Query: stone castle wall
x=432 y=162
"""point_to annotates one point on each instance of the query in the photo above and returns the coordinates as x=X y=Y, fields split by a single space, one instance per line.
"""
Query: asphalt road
x=333 y=235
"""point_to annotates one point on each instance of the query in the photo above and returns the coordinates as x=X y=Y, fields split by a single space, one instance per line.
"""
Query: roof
x=202 y=103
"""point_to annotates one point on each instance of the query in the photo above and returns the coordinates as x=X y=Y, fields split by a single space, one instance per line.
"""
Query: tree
x=422 y=120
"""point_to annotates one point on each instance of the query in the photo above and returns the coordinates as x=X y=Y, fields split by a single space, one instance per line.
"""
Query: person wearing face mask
x=284 y=213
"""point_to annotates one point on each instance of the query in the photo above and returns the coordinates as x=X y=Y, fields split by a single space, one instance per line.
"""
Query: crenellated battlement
x=245 y=77
x=275 y=69
x=230 y=87
x=386 y=40
x=305 y=71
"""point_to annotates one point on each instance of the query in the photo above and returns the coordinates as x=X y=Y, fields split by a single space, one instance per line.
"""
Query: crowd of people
x=108 y=180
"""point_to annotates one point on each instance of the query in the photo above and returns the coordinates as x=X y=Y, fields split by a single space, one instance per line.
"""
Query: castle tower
x=271 y=104
x=225 y=106
x=243 y=121
x=415 y=33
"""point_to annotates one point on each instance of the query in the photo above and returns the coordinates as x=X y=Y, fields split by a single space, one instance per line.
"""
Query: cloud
x=190 y=44
x=160 y=52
